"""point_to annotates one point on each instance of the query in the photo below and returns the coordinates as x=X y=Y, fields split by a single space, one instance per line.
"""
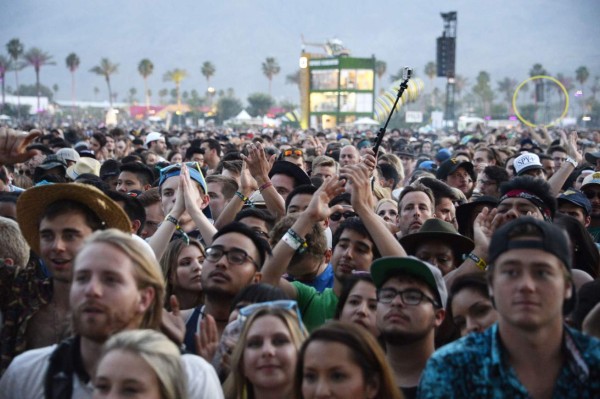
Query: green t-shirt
x=316 y=308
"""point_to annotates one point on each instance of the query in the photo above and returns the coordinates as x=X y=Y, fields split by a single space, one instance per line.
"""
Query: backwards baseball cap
x=451 y=165
x=387 y=267
x=527 y=161
x=530 y=233
x=443 y=154
x=593 y=178
x=577 y=198
x=175 y=170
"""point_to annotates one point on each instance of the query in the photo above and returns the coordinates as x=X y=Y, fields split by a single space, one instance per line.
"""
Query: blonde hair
x=12 y=243
x=162 y=355
x=386 y=201
x=237 y=385
x=146 y=270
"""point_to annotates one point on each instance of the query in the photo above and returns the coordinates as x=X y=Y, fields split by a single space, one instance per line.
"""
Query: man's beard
x=101 y=330
x=403 y=338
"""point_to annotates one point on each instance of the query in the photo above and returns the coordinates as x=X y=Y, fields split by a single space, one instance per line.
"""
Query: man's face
x=592 y=192
x=481 y=158
x=168 y=195
x=512 y=208
x=408 y=163
x=415 y=209
x=402 y=324
x=104 y=296
x=559 y=157
x=324 y=172
x=438 y=254
x=488 y=186
x=154 y=216
x=536 y=173
x=349 y=156
x=352 y=252
x=461 y=180
x=334 y=224
x=549 y=167
x=61 y=238
x=529 y=287
x=159 y=146
x=218 y=202
x=197 y=157
x=510 y=168
x=568 y=208
x=128 y=181
x=299 y=203
x=210 y=156
x=223 y=279
x=259 y=226
x=284 y=184
x=445 y=210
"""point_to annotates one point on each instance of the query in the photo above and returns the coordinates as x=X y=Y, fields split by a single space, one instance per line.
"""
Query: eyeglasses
x=284 y=304
x=292 y=152
x=235 y=256
x=592 y=194
x=261 y=234
x=338 y=215
x=411 y=297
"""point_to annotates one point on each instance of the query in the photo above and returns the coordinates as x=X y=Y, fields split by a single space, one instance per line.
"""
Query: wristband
x=265 y=186
x=171 y=219
x=291 y=241
x=241 y=196
x=480 y=263
x=294 y=240
x=571 y=161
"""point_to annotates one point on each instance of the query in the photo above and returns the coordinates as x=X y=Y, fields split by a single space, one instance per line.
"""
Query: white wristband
x=291 y=241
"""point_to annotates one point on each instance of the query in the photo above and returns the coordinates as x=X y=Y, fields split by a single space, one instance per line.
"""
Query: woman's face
x=177 y=158
x=331 y=372
x=110 y=143
x=472 y=311
x=122 y=374
x=388 y=212
x=269 y=357
x=151 y=160
x=189 y=269
x=121 y=147
x=95 y=145
x=361 y=307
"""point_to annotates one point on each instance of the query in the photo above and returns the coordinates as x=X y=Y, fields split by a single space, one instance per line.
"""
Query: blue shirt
x=476 y=367
x=322 y=281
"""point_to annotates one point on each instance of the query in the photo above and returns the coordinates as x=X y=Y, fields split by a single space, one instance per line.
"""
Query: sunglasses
x=284 y=304
x=338 y=215
x=292 y=152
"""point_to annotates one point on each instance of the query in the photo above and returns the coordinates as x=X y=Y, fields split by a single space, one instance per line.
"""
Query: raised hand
x=257 y=163
x=13 y=145
x=359 y=178
x=318 y=208
x=207 y=341
x=172 y=325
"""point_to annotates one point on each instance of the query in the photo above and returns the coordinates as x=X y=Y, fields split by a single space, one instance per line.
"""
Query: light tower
x=446 y=60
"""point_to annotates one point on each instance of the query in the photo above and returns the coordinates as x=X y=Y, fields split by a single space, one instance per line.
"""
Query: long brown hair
x=168 y=264
x=365 y=351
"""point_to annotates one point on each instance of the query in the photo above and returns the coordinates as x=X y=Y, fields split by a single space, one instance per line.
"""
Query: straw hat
x=33 y=202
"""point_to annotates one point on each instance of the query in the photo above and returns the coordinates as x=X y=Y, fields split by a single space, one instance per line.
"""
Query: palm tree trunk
x=18 y=97
x=109 y=92
x=73 y=93
x=270 y=81
x=147 y=96
x=3 y=93
x=37 y=86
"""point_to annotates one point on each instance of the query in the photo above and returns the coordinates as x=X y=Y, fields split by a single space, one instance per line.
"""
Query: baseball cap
x=451 y=165
x=153 y=136
x=527 y=161
x=69 y=154
x=594 y=178
x=175 y=170
x=592 y=157
x=385 y=268
x=546 y=237
x=53 y=161
x=443 y=155
x=577 y=198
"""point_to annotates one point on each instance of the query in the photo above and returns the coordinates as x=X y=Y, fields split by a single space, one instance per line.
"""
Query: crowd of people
x=214 y=263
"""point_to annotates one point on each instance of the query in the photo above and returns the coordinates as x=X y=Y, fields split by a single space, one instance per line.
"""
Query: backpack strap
x=58 y=383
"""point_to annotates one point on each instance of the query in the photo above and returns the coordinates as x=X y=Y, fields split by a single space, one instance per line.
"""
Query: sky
x=504 y=38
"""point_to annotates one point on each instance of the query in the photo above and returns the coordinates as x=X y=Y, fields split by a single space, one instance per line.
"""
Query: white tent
x=365 y=122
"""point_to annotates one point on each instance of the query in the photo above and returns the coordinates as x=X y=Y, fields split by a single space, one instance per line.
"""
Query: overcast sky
x=504 y=38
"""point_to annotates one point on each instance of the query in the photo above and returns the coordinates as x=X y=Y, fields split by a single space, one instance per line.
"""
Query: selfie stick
x=406 y=73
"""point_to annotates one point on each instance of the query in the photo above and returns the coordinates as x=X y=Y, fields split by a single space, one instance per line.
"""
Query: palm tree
x=106 y=68
x=208 y=70
x=431 y=70
x=162 y=93
x=460 y=84
x=37 y=59
x=145 y=68
x=270 y=68
x=582 y=74
x=4 y=66
x=73 y=62
x=15 y=49
x=176 y=76
x=380 y=69
x=507 y=86
x=566 y=81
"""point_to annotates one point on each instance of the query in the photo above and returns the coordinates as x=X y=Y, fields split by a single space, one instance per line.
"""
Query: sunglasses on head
x=177 y=166
x=290 y=305
x=338 y=215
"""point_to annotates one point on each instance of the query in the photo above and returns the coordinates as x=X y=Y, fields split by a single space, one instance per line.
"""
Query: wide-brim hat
x=387 y=267
x=436 y=229
x=292 y=170
x=33 y=202
x=464 y=211
x=84 y=165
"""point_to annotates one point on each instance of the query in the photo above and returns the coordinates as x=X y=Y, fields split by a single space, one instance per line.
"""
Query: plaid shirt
x=476 y=367
x=22 y=293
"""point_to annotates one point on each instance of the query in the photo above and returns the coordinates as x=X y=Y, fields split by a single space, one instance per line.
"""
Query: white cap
x=153 y=136
x=527 y=161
